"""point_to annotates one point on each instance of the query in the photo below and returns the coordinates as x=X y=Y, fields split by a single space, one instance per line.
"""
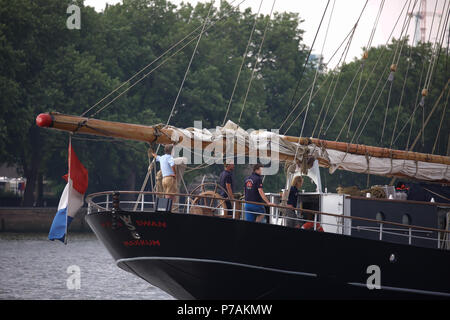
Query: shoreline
x=37 y=220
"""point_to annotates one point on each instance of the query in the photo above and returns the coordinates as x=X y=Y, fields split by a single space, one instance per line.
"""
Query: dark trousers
x=229 y=210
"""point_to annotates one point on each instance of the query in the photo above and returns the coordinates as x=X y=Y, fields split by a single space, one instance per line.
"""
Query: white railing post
x=107 y=202
x=381 y=231
x=409 y=236
x=188 y=205
x=142 y=203
x=439 y=240
x=277 y=215
x=234 y=210
x=315 y=222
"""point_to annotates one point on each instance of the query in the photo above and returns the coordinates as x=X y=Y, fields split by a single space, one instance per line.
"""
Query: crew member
x=169 y=181
x=226 y=182
x=296 y=184
x=253 y=189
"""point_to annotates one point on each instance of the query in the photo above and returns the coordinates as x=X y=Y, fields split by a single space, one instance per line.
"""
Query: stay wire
x=256 y=62
x=373 y=69
x=306 y=113
x=242 y=63
x=318 y=67
x=395 y=61
x=155 y=68
x=306 y=61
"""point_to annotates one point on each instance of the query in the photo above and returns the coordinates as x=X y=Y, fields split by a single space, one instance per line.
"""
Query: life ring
x=310 y=225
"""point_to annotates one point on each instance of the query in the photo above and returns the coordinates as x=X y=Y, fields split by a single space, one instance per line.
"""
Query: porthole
x=406 y=219
x=380 y=216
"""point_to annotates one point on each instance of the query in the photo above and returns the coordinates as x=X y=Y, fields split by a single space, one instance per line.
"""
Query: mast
x=159 y=134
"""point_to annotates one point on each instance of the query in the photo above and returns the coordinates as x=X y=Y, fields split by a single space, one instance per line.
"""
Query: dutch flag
x=71 y=199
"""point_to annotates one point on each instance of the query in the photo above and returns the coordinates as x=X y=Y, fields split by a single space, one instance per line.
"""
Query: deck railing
x=147 y=200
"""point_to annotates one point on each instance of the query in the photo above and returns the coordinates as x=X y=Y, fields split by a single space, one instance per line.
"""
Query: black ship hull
x=200 y=257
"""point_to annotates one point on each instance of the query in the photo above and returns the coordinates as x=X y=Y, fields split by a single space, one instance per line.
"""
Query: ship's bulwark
x=200 y=257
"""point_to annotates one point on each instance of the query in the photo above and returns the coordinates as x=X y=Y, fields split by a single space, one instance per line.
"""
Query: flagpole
x=68 y=181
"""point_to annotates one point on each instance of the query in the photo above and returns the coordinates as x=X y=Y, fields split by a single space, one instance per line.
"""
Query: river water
x=32 y=267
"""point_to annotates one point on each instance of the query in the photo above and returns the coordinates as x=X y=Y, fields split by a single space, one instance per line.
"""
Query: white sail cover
x=265 y=141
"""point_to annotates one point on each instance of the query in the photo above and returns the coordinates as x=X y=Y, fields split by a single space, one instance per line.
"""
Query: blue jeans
x=251 y=216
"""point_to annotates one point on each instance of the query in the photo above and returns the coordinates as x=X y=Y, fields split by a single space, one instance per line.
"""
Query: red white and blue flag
x=71 y=199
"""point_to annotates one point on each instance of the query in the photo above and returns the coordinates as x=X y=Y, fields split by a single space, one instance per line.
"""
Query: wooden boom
x=163 y=136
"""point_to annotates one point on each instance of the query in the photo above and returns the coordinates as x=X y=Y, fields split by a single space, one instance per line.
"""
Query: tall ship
x=386 y=242
x=199 y=252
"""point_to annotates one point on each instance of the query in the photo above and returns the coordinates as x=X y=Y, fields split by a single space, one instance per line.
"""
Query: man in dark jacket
x=226 y=182
x=253 y=189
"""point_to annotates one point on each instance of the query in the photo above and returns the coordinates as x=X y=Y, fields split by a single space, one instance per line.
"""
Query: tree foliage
x=46 y=67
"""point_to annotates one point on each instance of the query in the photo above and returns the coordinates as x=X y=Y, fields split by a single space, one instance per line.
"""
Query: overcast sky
x=344 y=17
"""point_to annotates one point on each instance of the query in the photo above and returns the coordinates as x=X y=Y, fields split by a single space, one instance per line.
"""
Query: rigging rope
x=343 y=58
x=323 y=105
x=304 y=94
x=305 y=64
x=242 y=63
x=401 y=96
x=381 y=55
x=440 y=124
x=372 y=34
x=318 y=65
x=301 y=99
x=424 y=91
x=256 y=62
x=307 y=108
x=315 y=77
x=364 y=57
x=379 y=80
x=395 y=62
x=152 y=164
x=190 y=63
x=430 y=114
x=373 y=108
x=155 y=68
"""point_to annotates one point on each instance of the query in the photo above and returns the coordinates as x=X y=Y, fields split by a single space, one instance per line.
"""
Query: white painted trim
x=218 y=261
x=434 y=293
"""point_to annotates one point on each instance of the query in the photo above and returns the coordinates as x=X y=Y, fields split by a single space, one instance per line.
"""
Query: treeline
x=44 y=67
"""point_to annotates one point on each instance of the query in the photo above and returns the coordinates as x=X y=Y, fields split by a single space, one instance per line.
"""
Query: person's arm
x=263 y=196
x=290 y=197
x=228 y=181
x=261 y=217
x=229 y=191
x=172 y=165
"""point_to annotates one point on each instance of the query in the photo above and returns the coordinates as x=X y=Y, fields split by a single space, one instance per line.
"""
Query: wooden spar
x=370 y=151
x=104 y=128
x=163 y=136
x=152 y=134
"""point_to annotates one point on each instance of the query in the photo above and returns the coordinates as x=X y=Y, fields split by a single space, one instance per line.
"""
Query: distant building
x=316 y=59
x=11 y=181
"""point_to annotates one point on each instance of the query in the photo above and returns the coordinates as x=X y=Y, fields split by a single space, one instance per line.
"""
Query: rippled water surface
x=32 y=267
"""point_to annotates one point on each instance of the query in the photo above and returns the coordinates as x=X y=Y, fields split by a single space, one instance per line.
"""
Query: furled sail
x=269 y=145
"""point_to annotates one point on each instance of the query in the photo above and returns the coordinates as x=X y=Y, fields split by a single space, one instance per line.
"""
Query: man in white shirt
x=169 y=181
